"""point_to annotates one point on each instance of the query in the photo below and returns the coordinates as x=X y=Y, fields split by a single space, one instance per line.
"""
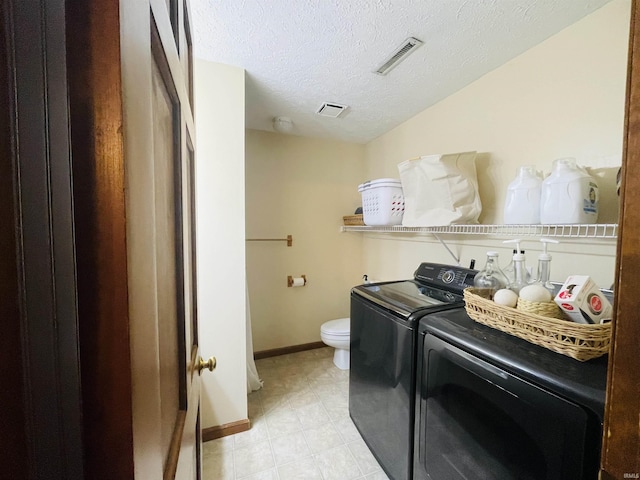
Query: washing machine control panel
x=455 y=278
x=448 y=276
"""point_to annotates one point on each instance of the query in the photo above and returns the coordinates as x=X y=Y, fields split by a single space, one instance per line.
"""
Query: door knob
x=209 y=364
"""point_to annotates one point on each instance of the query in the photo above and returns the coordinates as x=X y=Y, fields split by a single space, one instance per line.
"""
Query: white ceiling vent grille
x=402 y=52
x=331 y=109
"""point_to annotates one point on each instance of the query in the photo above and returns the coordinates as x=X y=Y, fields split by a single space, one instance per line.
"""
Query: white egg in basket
x=506 y=297
x=535 y=293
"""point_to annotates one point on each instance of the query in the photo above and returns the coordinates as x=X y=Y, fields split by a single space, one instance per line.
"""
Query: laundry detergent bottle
x=522 y=203
x=569 y=195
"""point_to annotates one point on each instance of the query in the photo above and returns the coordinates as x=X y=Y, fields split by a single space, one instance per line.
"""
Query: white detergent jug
x=569 y=195
x=522 y=204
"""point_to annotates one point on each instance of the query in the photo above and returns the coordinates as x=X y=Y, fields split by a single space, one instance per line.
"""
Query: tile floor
x=300 y=427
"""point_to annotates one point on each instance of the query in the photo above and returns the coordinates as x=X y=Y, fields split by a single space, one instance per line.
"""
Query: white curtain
x=253 y=379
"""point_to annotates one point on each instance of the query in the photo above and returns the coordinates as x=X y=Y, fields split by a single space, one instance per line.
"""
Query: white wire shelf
x=603 y=230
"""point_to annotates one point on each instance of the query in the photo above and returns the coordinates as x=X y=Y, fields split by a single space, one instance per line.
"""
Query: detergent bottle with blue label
x=569 y=195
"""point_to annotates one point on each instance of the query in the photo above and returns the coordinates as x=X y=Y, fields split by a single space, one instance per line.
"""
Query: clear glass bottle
x=519 y=273
x=509 y=270
x=491 y=278
x=544 y=267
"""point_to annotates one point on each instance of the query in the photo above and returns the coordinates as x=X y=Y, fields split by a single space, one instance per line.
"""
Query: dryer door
x=479 y=421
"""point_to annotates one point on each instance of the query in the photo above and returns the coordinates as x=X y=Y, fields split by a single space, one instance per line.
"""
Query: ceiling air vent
x=331 y=109
x=402 y=52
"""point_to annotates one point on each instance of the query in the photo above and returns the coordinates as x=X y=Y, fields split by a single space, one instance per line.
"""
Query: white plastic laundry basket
x=382 y=202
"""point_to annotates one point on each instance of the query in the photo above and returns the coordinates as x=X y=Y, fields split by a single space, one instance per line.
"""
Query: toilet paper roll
x=296 y=281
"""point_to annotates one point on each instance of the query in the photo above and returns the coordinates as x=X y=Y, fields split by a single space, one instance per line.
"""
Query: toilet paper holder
x=296 y=282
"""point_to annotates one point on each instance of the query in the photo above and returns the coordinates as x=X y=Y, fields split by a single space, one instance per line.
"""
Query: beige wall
x=302 y=187
x=564 y=97
x=219 y=99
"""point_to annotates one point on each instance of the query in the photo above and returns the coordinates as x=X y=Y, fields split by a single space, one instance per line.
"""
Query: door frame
x=621 y=432
x=35 y=91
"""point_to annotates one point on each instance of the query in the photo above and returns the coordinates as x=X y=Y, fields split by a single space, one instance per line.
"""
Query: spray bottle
x=519 y=279
x=544 y=267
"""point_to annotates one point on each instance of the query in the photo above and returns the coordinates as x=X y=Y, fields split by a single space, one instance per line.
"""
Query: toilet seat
x=337 y=328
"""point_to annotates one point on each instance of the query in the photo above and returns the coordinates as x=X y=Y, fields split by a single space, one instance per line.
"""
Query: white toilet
x=335 y=333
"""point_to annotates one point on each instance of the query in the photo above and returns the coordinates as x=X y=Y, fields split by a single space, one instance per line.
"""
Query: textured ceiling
x=299 y=54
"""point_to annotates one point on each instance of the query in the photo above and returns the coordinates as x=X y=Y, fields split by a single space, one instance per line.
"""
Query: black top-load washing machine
x=383 y=349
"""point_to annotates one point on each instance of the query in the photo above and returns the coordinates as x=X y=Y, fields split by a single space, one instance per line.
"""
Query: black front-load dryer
x=492 y=406
x=384 y=320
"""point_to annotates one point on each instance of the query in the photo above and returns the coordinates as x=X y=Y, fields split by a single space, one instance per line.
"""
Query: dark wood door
x=14 y=446
x=100 y=367
x=132 y=130
x=40 y=416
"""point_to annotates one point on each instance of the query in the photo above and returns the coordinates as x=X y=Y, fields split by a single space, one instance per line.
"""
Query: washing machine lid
x=406 y=297
x=341 y=326
x=435 y=287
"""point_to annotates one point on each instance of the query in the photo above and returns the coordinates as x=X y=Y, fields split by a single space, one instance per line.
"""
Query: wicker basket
x=544 y=309
x=353 y=219
x=580 y=341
